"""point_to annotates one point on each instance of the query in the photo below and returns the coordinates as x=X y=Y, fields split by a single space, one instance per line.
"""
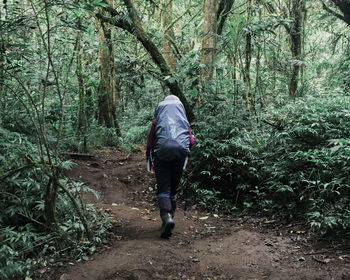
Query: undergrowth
x=293 y=160
x=27 y=244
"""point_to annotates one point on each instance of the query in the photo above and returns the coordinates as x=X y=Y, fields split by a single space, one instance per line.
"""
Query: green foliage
x=221 y=159
x=27 y=243
x=98 y=136
x=136 y=126
x=311 y=156
x=296 y=162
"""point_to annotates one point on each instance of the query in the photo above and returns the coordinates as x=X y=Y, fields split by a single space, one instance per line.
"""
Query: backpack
x=172 y=130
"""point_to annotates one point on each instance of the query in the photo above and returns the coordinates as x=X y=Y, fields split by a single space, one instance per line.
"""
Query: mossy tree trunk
x=223 y=12
x=81 y=87
x=3 y=40
x=167 y=18
x=295 y=32
x=82 y=119
x=208 y=50
x=2 y=74
x=107 y=88
x=50 y=201
x=248 y=57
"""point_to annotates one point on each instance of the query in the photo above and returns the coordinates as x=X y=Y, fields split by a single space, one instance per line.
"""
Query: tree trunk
x=82 y=119
x=2 y=75
x=223 y=11
x=81 y=87
x=50 y=202
x=303 y=36
x=258 y=87
x=107 y=88
x=3 y=40
x=295 y=32
x=248 y=57
x=209 y=39
x=167 y=18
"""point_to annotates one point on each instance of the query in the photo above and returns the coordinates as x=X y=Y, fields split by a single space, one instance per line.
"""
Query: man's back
x=172 y=130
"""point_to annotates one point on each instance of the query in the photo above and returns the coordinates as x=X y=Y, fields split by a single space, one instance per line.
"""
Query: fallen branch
x=320 y=261
x=82 y=156
x=319 y=252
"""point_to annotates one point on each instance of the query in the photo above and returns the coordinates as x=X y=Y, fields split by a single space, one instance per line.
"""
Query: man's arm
x=151 y=138
x=192 y=138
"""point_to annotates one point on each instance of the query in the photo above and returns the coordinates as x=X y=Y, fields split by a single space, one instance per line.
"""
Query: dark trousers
x=168 y=175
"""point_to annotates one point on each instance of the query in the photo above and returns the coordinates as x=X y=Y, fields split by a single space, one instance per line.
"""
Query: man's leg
x=173 y=199
x=176 y=173
x=163 y=177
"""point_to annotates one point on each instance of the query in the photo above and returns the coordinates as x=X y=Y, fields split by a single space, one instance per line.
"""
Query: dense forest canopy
x=265 y=84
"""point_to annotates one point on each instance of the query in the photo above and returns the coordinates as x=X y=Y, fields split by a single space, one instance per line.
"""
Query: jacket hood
x=171 y=97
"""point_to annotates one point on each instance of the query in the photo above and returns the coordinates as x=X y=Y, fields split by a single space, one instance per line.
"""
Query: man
x=168 y=145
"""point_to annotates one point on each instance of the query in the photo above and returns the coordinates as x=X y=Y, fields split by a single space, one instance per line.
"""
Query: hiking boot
x=167 y=226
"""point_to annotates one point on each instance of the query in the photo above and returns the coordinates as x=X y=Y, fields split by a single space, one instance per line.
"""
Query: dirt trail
x=202 y=246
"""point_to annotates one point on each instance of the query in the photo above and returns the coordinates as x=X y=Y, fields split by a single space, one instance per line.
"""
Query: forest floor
x=203 y=245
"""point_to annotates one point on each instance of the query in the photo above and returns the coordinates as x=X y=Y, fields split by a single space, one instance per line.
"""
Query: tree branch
x=77 y=209
x=171 y=41
x=14 y=171
x=344 y=6
x=278 y=125
x=177 y=19
x=134 y=27
x=334 y=13
x=223 y=11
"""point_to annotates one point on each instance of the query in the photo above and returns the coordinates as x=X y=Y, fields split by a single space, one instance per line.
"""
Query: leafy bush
x=97 y=136
x=310 y=155
x=27 y=243
x=222 y=158
x=296 y=161
x=135 y=128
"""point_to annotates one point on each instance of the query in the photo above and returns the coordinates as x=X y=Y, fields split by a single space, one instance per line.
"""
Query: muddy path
x=203 y=246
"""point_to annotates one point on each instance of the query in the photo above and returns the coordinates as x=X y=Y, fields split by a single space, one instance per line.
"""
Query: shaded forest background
x=265 y=84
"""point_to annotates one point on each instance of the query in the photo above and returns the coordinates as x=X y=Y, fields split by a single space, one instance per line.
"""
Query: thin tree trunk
x=50 y=202
x=222 y=14
x=2 y=75
x=82 y=120
x=48 y=163
x=248 y=57
x=3 y=17
x=209 y=39
x=303 y=35
x=258 y=64
x=107 y=87
x=295 y=33
x=257 y=78
x=81 y=87
x=236 y=57
x=167 y=18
